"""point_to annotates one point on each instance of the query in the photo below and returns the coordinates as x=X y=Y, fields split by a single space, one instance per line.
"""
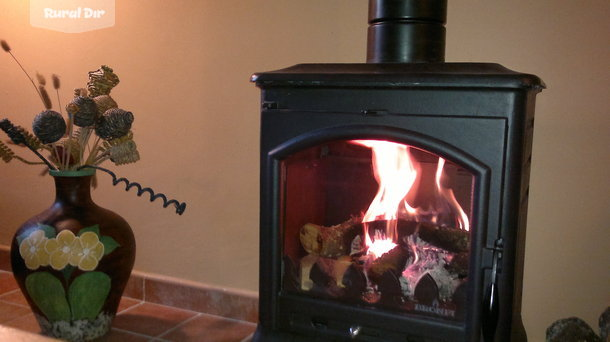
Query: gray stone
x=571 y=329
x=604 y=325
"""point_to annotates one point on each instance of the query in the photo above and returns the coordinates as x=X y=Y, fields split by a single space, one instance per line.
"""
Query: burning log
x=393 y=261
x=306 y=264
x=459 y=265
x=450 y=239
x=323 y=271
x=330 y=242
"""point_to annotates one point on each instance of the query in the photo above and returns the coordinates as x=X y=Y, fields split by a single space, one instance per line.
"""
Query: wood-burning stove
x=394 y=193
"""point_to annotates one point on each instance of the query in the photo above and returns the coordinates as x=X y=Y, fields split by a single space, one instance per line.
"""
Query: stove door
x=376 y=229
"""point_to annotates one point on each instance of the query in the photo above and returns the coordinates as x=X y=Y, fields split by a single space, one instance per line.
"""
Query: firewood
x=329 y=272
x=459 y=265
x=307 y=263
x=450 y=239
x=330 y=242
x=393 y=261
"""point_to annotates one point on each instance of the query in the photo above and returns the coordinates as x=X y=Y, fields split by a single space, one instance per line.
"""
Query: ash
x=429 y=260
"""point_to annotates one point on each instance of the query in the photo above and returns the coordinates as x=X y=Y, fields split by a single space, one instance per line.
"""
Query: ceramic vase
x=73 y=260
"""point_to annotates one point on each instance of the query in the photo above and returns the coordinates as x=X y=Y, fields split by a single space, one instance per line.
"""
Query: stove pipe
x=406 y=31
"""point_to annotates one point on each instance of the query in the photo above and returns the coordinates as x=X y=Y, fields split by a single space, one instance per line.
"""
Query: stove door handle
x=491 y=303
x=490 y=313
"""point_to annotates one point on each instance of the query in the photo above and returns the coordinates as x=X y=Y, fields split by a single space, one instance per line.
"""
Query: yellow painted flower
x=32 y=250
x=60 y=249
x=87 y=251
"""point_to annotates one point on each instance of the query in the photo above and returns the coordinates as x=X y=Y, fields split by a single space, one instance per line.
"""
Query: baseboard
x=180 y=293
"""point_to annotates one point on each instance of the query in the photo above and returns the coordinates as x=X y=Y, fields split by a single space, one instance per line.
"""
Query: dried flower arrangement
x=92 y=113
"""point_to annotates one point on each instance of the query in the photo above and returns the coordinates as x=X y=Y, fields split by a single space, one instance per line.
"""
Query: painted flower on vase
x=44 y=247
x=32 y=250
x=87 y=251
x=60 y=249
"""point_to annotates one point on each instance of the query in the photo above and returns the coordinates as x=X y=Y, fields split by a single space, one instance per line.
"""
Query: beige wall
x=185 y=66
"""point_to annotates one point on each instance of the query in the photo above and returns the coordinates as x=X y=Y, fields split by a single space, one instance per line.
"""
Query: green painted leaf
x=94 y=228
x=87 y=294
x=109 y=244
x=48 y=294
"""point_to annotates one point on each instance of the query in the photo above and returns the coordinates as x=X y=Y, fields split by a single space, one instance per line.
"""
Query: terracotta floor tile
x=125 y=303
x=151 y=319
x=14 y=297
x=7 y=282
x=27 y=323
x=116 y=335
x=11 y=311
x=248 y=338
x=210 y=329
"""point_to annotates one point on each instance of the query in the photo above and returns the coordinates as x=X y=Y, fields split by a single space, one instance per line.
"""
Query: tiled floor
x=136 y=320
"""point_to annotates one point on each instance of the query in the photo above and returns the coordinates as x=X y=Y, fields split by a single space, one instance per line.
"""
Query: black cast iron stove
x=394 y=193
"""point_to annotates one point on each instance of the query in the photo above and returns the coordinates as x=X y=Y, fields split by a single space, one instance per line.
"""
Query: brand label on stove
x=435 y=309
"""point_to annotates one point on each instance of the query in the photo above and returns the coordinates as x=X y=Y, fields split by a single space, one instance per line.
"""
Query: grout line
x=178 y=325
x=130 y=308
x=17 y=317
x=6 y=294
x=228 y=318
x=131 y=332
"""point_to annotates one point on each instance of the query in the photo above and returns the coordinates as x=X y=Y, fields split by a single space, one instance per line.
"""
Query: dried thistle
x=6 y=153
x=115 y=123
x=83 y=111
x=49 y=126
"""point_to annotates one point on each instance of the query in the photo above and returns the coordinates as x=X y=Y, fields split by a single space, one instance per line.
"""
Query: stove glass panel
x=377 y=223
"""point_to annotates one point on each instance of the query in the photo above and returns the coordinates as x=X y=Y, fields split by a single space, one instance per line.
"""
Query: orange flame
x=448 y=195
x=396 y=172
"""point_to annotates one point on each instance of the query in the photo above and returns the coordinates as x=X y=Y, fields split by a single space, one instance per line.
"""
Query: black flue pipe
x=406 y=31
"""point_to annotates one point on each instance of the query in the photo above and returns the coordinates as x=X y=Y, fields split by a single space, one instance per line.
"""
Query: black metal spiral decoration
x=180 y=207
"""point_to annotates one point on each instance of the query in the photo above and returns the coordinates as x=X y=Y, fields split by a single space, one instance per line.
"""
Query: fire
x=380 y=245
x=447 y=194
x=396 y=172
